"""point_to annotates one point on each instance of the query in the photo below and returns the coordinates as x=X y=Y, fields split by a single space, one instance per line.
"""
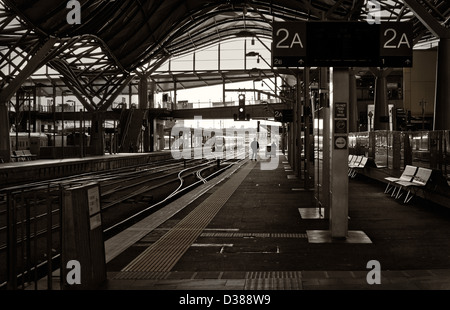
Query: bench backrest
x=363 y=162
x=350 y=157
x=422 y=176
x=409 y=173
x=354 y=160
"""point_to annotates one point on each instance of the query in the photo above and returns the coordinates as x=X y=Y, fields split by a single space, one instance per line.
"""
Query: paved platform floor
x=259 y=238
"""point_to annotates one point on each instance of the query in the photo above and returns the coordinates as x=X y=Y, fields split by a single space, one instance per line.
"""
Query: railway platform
x=43 y=169
x=254 y=229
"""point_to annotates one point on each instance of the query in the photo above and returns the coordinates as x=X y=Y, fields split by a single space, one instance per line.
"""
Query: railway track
x=127 y=195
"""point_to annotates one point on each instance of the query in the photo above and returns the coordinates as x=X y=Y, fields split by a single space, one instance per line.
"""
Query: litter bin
x=268 y=150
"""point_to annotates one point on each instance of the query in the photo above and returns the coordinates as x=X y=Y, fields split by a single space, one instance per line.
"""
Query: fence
x=396 y=149
x=30 y=235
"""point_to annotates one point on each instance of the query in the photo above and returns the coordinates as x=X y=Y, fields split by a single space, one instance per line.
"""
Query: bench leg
x=399 y=193
x=393 y=191
x=408 y=197
x=387 y=188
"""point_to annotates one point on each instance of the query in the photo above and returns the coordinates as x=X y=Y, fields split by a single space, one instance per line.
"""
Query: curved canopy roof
x=117 y=38
x=137 y=31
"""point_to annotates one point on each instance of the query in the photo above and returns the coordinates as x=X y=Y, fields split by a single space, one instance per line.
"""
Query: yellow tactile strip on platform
x=165 y=253
x=273 y=280
x=251 y=280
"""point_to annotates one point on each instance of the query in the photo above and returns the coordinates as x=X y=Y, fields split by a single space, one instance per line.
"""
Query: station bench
x=356 y=162
x=407 y=175
x=412 y=179
x=17 y=156
x=22 y=155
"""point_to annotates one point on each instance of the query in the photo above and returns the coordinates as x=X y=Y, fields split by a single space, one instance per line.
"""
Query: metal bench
x=352 y=159
x=408 y=174
x=419 y=180
x=28 y=155
x=359 y=163
x=19 y=155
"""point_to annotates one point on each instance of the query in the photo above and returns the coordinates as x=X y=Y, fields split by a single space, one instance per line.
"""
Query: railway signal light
x=242 y=116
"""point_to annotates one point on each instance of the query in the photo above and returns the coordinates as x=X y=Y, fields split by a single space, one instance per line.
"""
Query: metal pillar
x=339 y=154
x=291 y=148
x=353 y=108
x=5 y=144
x=144 y=105
x=97 y=134
x=297 y=130
x=152 y=128
x=6 y=93
x=442 y=97
x=381 y=117
x=62 y=125
x=308 y=126
x=326 y=142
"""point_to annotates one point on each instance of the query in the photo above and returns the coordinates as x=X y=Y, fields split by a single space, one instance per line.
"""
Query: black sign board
x=396 y=44
x=331 y=44
x=284 y=116
x=340 y=126
x=289 y=44
x=340 y=110
x=342 y=44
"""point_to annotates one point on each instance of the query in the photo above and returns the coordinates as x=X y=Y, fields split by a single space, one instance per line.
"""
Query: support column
x=144 y=105
x=5 y=145
x=339 y=155
x=326 y=142
x=381 y=117
x=97 y=142
x=6 y=93
x=309 y=141
x=154 y=137
x=353 y=104
x=291 y=149
x=442 y=97
x=151 y=125
x=298 y=129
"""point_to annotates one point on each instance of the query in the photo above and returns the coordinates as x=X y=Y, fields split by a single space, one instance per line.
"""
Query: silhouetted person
x=255 y=147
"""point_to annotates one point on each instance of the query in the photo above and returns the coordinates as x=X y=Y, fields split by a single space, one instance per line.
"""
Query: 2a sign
x=289 y=42
x=300 y=44
x=396 y=43
x=284 y=116
x=396 y=38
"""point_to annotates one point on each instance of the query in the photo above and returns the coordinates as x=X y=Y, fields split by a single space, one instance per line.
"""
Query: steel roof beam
x=32 y=65
x=428 y=20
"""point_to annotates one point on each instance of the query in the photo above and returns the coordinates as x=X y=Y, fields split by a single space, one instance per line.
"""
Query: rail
x=30 y=216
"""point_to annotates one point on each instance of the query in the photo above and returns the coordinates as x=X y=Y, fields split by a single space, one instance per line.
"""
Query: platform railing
x=30 y=236
x=396 y=149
